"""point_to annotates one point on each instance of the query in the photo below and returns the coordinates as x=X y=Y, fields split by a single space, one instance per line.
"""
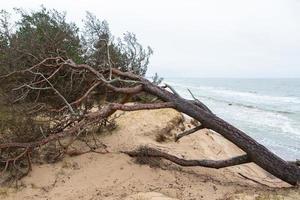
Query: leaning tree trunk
x=257 y=153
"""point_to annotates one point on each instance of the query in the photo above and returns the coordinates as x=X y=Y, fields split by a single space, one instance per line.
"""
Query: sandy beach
x=115 y=175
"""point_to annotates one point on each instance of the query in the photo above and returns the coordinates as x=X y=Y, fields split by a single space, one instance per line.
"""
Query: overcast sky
x=197 y=38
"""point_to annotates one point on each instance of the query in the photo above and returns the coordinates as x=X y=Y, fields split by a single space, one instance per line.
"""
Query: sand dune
x=117 y=176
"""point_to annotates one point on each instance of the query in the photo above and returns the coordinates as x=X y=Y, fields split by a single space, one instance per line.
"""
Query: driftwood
x=112 y=80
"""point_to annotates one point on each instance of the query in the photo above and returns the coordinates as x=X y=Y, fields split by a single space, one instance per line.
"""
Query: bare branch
x=57 y=92
x=172 y=89
x=145 y=151
x=188 y=132
x=83 y=97
x=139 y=106
x=129 y=90
x=199 y=103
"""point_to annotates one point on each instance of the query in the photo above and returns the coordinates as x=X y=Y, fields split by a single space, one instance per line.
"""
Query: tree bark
x=257 y=153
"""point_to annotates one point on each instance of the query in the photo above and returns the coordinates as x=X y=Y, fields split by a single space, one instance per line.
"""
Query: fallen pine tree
x=73 y=118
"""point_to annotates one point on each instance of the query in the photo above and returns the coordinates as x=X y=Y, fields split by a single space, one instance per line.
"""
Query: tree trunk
x=257 y=153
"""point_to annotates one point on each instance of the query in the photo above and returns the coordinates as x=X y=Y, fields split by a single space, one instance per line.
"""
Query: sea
x=268 y=110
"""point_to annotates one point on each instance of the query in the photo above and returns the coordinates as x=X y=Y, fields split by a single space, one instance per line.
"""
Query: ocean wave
x=250 y=99
x=284 y=150
x=231 y=103
x=260 y=123
x=251 y=96
x=255 y=97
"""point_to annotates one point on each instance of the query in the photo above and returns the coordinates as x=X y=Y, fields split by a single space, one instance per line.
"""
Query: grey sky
x=212 y=38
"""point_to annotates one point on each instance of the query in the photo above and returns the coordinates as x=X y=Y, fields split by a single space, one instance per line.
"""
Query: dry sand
x=117 y=176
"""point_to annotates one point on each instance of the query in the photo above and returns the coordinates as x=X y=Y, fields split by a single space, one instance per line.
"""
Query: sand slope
x=117 y=176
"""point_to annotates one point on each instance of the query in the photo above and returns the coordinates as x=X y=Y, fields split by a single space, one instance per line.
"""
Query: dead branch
x=198 y=103
x=145 y=151
x=172 y=89
x=130 y=90
x=138 y=106
x=188 y=132
x=78 y=101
